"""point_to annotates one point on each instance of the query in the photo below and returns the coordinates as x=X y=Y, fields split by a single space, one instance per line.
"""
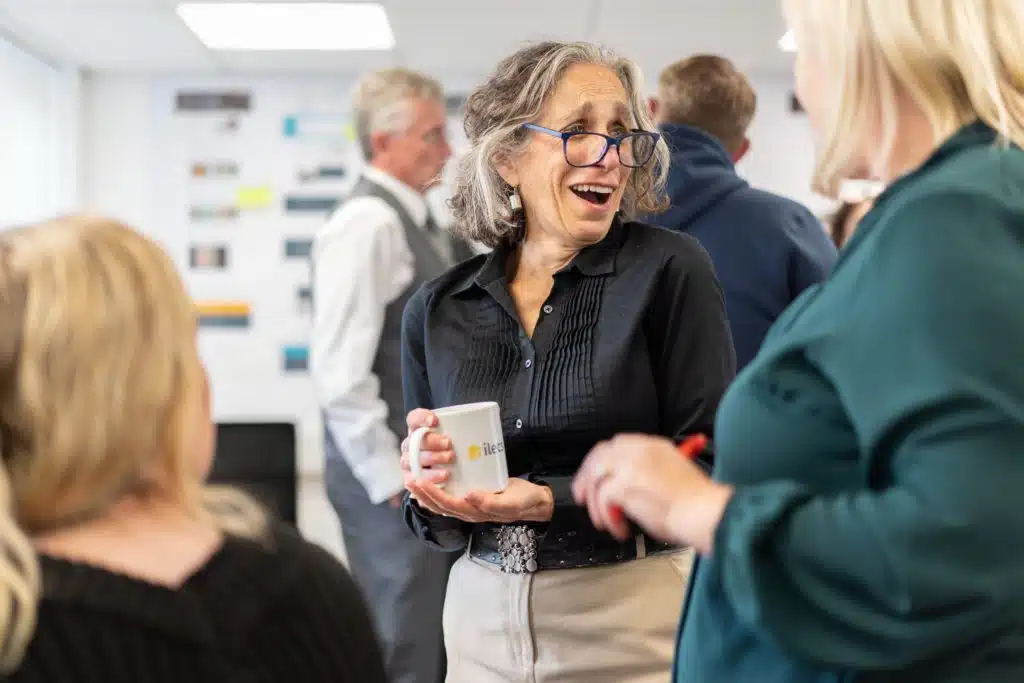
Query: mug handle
x=415 y=445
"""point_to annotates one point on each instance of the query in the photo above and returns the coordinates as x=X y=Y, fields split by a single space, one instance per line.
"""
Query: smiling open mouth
x=595 y=194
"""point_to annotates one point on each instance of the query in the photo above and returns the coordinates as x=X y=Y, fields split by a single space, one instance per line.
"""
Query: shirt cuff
x=751 y=516
x=445 y=533
x=561 y=487
x=381 y=476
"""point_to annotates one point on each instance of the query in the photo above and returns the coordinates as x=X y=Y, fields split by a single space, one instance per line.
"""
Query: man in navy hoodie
x=765 y=248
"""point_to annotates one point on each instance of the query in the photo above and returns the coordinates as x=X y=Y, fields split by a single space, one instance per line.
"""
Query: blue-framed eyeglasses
x=584 y=149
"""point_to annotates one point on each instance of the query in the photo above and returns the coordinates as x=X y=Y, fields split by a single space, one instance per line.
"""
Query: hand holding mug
x=467 y=444
x=465 y=440
x=435 y=449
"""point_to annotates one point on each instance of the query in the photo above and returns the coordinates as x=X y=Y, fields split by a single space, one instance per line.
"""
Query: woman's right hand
x=435 y=449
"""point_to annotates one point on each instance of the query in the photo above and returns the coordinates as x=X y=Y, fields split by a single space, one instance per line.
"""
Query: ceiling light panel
x=310 y=26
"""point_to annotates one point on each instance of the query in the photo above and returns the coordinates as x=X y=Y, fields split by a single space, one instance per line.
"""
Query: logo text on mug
x=475 y=451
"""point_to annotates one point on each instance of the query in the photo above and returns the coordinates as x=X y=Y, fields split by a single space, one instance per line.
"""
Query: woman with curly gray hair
x=580 y=323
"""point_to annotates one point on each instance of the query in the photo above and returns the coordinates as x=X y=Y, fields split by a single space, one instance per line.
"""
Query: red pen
x=691 y=447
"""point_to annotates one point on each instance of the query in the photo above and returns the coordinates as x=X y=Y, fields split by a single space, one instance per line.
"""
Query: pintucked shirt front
x=632 y=338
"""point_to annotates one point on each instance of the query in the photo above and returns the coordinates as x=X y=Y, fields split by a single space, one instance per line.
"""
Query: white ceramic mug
x=478 y=444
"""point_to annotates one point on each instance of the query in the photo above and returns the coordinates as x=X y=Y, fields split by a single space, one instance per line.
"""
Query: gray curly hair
x=515 y=94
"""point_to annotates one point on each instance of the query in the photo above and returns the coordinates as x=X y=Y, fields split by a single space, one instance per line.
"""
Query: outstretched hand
x=646 y=477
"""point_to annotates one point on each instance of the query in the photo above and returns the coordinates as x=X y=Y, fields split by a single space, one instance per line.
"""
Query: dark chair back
x=260 y=459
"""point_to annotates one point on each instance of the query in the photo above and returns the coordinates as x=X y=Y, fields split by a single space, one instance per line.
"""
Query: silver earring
x=514 y=201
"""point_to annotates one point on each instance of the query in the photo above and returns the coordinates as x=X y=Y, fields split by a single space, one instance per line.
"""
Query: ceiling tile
x=120 y=39
x=442 y=37
x=745 y=31
x=301 y=62
x=461 y=35
x=16 y=6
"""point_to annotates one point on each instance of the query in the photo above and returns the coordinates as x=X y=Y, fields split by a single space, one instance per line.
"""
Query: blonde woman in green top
x=864 y=521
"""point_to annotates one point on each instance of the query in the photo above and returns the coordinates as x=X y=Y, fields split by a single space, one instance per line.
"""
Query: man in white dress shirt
x=369 y=258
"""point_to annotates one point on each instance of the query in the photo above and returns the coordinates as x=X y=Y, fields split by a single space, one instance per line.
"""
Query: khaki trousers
x=606 y=624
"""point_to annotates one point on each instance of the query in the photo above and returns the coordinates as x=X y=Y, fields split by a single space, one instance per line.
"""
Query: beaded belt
x=517 y=548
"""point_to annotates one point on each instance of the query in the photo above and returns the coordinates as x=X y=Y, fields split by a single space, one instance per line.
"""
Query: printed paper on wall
x=214 y=169
x=310 y=204
x=304 y=298
x=205 y=101
x=223 y=314
x=322 y=173
x=300 y=247
x=295 y=358
x=208 y=256
x=208 y=213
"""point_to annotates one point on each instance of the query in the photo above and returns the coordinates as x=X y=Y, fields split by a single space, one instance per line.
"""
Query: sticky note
x=291 y=126
x=254 y=197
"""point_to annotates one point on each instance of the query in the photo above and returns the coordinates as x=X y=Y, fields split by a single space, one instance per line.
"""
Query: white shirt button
x=519 y=424
x=528 y=362
x=548 y=308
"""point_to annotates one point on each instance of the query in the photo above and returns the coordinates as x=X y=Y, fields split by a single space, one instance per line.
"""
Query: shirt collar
x=410 y=199
x=592 y=261
x=973 y=134
x=976 y=134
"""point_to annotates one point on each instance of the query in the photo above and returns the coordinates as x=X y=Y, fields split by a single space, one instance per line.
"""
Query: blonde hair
x=708 y=92
x=957 y=61
x=514 y=94
x=382 y=102
x=100 y=381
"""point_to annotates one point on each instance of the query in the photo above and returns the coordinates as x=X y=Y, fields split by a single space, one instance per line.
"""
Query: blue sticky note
x=291 y=126
x=296 y=358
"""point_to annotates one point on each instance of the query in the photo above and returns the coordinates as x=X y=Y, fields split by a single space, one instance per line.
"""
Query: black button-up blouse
x=632 y=338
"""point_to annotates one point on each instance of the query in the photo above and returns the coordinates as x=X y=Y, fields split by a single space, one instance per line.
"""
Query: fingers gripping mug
x=475 y=433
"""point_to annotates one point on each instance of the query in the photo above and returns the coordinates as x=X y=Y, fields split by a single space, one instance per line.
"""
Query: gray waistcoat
x=428 y=264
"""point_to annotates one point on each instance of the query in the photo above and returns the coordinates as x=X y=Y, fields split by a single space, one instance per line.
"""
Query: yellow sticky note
x=254 y=197
x=349 y=132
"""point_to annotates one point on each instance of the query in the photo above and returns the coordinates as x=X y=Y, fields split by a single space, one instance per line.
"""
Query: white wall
x=121 y=116
x=118 y=141
x=781 y=157
x=135 y=160
x=39 y=109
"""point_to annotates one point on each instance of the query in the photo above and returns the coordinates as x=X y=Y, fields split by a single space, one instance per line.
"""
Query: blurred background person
x=766 y=249
x=864 y=516
x=374 y=252
x=844 y=220
x=118 y=566
x=580 y=323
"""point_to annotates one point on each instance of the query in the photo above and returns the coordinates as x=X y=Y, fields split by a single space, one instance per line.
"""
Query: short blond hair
x=708 y=92
x=100 y=379
x=382 y=101
x=957 y=61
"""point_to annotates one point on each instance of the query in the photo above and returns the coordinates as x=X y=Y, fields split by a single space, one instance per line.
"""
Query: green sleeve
x=928 y=556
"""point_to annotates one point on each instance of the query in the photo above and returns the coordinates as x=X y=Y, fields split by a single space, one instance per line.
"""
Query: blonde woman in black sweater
x=118 y=564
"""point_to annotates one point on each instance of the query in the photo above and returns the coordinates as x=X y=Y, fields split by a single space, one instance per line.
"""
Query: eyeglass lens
x=586 y=149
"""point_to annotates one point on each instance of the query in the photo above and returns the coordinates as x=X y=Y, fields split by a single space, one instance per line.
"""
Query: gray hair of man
x=383 y=102
x=514 y=94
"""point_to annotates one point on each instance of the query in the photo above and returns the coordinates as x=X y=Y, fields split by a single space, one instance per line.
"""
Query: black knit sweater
x=287 y=611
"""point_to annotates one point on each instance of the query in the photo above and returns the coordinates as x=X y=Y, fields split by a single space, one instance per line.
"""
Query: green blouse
x=877 y=448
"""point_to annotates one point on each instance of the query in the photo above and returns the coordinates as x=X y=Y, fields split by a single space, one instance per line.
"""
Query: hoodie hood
x=701 y=174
